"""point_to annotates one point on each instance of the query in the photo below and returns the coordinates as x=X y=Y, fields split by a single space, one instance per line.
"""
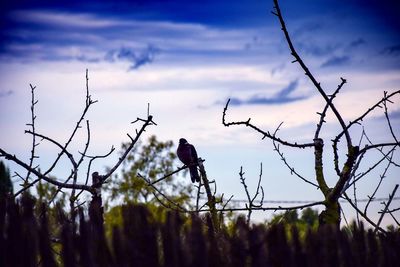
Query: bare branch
x=292 y=170
x=250 y=200
x=268 y=208
x=264 y=134
x=42 y=176
x=357 y=120
x=382 y=176
x=93 y=158
x=198 y=194
x=172 y=204
x=368 y=147
x=88 y=103
x=32 y=124
x=386 y=207
x=172 y=173
x=259 y=187
x=149 y=121
x=62 y=148
x=380 y=149
x=26 y=187
x=323 y=113
x=387 y=116
x=310 y=75
x=362 y=213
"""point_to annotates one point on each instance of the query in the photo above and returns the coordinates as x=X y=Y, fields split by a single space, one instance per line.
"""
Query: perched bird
x=188 y=155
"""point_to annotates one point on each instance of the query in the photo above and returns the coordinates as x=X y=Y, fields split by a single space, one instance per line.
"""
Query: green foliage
x=151 y=161
x=6 y=186
x=54 y=203
x=290 y=219
x=308 y=219
x=45 y=193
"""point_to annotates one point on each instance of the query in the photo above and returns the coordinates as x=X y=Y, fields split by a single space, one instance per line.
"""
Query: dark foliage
x=143 y=241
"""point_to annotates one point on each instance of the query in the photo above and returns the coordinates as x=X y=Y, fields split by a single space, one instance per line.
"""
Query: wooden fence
x=25 y=241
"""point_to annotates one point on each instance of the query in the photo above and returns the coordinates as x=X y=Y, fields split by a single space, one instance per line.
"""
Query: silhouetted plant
x=348 y=174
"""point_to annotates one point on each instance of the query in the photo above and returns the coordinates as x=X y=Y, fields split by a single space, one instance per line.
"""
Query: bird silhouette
x=188 y=155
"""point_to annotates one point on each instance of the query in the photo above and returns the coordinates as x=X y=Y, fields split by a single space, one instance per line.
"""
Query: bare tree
x=71 y=182
x=348 y=174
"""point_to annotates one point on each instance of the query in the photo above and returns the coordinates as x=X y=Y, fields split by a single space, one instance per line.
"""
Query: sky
x=186 y=59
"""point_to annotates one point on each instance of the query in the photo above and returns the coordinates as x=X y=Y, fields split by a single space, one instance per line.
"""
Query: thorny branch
x=387 y=115
x=323 y=113
x=171 y=204
x=309 y=74
x=88 y=103
x=268 y=208
x=74 y=185
x=391 y=196
x=382 y=176
x=362 y=214
x=348 y=172
x=347 y=175
x=251 y=200
x=360 y=118
x=265 y=134
x=281 y=155
x=32 y=124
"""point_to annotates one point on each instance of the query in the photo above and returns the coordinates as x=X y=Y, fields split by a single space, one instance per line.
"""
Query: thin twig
x=323 y=113
x=267 y=208
x=360 y=118
x=310 y=75
x=382 y=176
x=149 y=121
x=264 y=134
x=32 y=124
x=42 y=176
x=386 y=207
x=88 y=103
x=362 y=213
x=292 y=170
x=250 y=200
x=387 y=116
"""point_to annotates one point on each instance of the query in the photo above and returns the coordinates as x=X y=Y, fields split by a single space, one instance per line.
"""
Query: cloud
x=393 y=50
x=394 y=115
x=278 y=69
x=358 y=42
x=336 y=61
x=6 y=93
x=282 y=97
x=137 y=59
x=318 y=50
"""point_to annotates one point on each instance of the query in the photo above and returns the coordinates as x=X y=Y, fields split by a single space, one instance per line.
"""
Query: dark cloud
x=88 y=59
x=357 y=43
x=336 y=61
x=394 y=115
x=135 y=58
x=318 y=50
x=277 y=69
x=282 y=97
x=287 y=90
x=6 y=93
x=393 y=50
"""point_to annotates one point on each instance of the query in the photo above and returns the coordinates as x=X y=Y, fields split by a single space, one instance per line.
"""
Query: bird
x=188 y=155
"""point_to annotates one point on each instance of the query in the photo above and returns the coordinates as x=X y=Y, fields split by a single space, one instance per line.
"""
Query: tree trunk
x=331 y=214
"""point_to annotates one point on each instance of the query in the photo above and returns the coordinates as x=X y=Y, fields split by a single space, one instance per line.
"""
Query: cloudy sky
x=186 y=58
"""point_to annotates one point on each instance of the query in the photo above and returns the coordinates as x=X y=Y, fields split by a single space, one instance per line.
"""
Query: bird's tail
x=194 y=174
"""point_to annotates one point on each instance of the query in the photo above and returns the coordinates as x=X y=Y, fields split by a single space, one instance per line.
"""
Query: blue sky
x=186 y=59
